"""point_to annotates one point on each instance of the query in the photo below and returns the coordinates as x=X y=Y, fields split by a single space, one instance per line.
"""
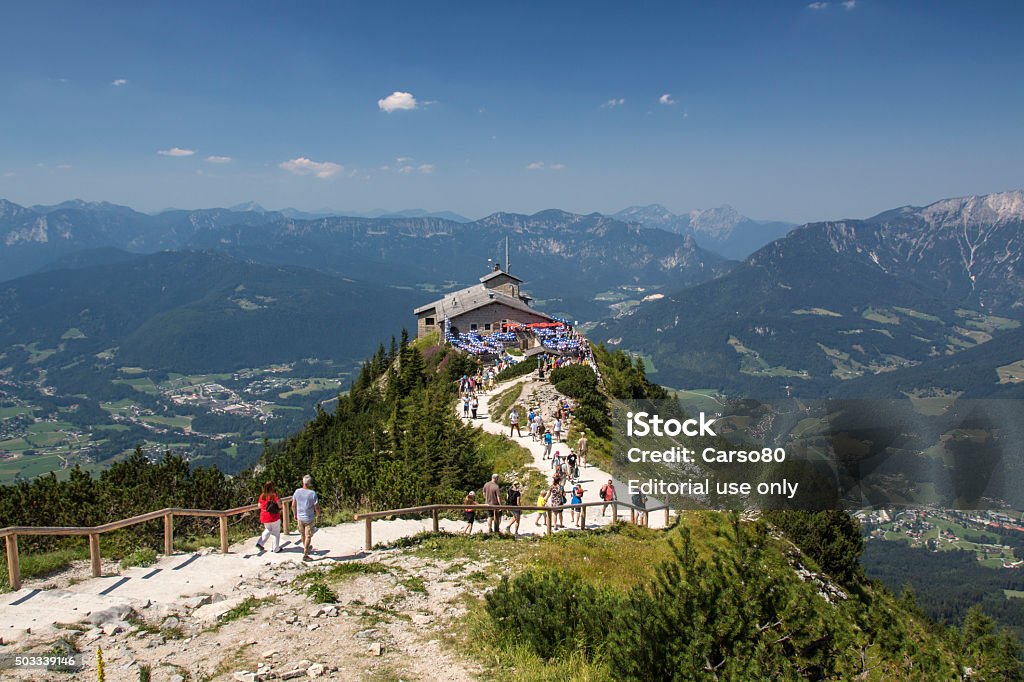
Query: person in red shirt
x=270 y=517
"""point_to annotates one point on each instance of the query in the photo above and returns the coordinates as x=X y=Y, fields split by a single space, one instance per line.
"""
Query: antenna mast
x=506 y=253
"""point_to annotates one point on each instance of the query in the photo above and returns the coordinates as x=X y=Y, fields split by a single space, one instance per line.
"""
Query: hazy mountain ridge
x=722 y=230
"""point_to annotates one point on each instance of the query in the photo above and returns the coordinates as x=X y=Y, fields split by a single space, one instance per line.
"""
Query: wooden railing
x=11 y=534
x=436 y=509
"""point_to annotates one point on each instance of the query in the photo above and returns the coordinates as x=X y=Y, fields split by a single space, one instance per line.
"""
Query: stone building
x=484 y=308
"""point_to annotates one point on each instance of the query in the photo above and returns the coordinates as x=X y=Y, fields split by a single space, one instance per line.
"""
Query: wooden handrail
x=11 y=533
x=497 y=507
x=434 y=510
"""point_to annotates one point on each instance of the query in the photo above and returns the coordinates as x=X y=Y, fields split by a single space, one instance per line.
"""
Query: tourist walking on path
x=581 y=447
x=607 y=494
x=469 y=514
x=474 y=405
x=492 y=497
x=571 y=461
x=548 y=440
x=640 y=500
x=465 y=407
x=513 y=420
x=307 y=514
x=270 y=517
x=577 y=499
x=542 y=501
x=558 y=429
x=515 y=494
x=556 y=500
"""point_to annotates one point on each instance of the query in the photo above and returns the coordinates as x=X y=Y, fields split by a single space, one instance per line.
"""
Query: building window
x=429 y=321
x=472 y=327
x=487 y=326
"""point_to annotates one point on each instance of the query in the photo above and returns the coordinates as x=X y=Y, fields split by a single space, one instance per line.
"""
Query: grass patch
x=342 y=571
x=244 y=609
x=140 y=557
x=499 y=405
x=320 y=593
x=44 y=564
x=414 y=583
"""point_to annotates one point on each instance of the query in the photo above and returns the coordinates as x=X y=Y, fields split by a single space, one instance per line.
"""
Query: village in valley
x=983 y=532
x=217 y=417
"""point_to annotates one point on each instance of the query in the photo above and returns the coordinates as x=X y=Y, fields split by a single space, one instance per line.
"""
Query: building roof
x=477 y=296
x=495 y=273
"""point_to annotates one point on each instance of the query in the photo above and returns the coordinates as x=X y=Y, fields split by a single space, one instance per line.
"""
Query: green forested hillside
x=195 y=312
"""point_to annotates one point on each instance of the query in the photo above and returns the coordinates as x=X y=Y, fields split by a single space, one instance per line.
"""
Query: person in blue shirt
x=307 y=514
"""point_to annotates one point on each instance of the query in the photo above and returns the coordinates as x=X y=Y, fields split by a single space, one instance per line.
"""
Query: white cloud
x=849 y=4
x=10 y=174
x=64 y=166
x=176 y=151
x=397 y=100
x=666 y=99
x=219 y=159
x=817 y=5
x=120 y=81
x=403 y=159
x=304 y=166
x=614 y=102
x=424 y=168
x=541 y=165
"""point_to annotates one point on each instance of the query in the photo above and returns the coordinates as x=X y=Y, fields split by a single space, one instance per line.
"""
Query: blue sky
x=786 y=110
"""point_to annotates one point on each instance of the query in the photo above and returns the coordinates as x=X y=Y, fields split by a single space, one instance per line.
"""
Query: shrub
x=520 y=369
x=575 y=381
x=831 y=538
x=552 y=612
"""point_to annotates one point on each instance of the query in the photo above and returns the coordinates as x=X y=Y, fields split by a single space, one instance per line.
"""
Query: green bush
x=520 y=369
x=575 y=381
x=551 y=612
x=140 y=557
x=831 y=538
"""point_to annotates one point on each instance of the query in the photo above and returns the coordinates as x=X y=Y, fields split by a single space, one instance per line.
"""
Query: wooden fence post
x=437 y=521
x=224 y=534
x=583 y=517
x=548 y=514
x=632 y=515
x=285 y=516
x=368 y=544
x=615 y=512
x=168 y=534
x=94 y=554
x=666 y=516
x=13 y=564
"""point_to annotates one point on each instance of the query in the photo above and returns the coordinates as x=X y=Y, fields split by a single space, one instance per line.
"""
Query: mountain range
x=841 y=300
x=566 y=258
x=722 y=230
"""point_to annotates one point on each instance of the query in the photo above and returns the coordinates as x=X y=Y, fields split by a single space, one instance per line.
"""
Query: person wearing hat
x=468 y=514
x=515 y=494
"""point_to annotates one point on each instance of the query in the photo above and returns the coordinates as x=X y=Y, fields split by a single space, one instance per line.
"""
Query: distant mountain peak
x=248 y=206
x=716 y=220
x=995 y=208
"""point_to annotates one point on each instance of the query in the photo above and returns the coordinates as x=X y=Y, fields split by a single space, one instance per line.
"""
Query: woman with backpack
x=270 y=517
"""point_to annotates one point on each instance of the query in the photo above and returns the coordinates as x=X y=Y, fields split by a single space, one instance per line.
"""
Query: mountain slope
x=196 y=312
x=840 y=300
